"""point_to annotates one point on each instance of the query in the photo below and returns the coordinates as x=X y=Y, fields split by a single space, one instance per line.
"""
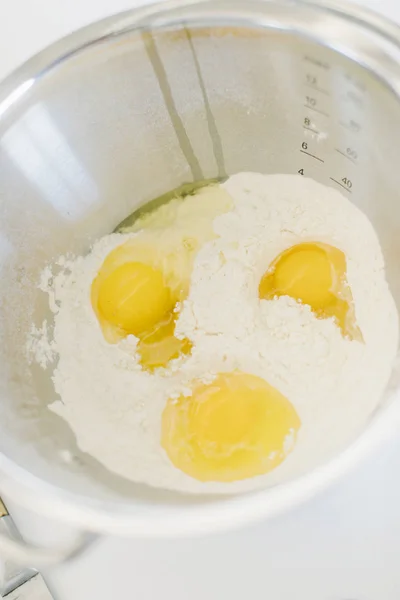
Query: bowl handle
x=15 y=549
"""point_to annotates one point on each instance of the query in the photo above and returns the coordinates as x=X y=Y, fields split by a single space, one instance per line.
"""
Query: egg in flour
x=314 y=274
x=140 y=283
x=134 y=295
x=259 y=287
x=236 y=427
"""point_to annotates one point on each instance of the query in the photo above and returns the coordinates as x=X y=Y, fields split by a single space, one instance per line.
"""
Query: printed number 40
x=347 y=183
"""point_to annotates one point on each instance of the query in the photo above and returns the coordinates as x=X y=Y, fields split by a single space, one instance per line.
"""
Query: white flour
x=115 y=408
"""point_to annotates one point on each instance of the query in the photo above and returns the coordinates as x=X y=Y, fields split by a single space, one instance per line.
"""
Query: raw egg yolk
x=237 y=427
x=134 y=297
x=313 y=274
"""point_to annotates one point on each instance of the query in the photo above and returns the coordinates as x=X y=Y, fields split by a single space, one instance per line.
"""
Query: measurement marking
x=316 y=62
x=321 y=112
x=341 y=184
x=350 y=127
x=317 y=89
x=354 y=100
x=357 y=84
x=310 y=129
x=312 y=155
x=346 y=156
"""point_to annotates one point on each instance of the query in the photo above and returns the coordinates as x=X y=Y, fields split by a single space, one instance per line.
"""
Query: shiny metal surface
x=33 y=589
x=15 y=552
x=129 y=108
x=18 y=582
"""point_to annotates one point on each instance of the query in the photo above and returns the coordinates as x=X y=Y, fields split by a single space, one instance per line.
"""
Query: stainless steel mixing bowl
x=133 y=106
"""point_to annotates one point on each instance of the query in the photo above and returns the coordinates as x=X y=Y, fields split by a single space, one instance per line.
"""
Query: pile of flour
x=114 y=407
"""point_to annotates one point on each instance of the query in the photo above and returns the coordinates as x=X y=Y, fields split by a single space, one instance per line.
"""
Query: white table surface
x=343 y=545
